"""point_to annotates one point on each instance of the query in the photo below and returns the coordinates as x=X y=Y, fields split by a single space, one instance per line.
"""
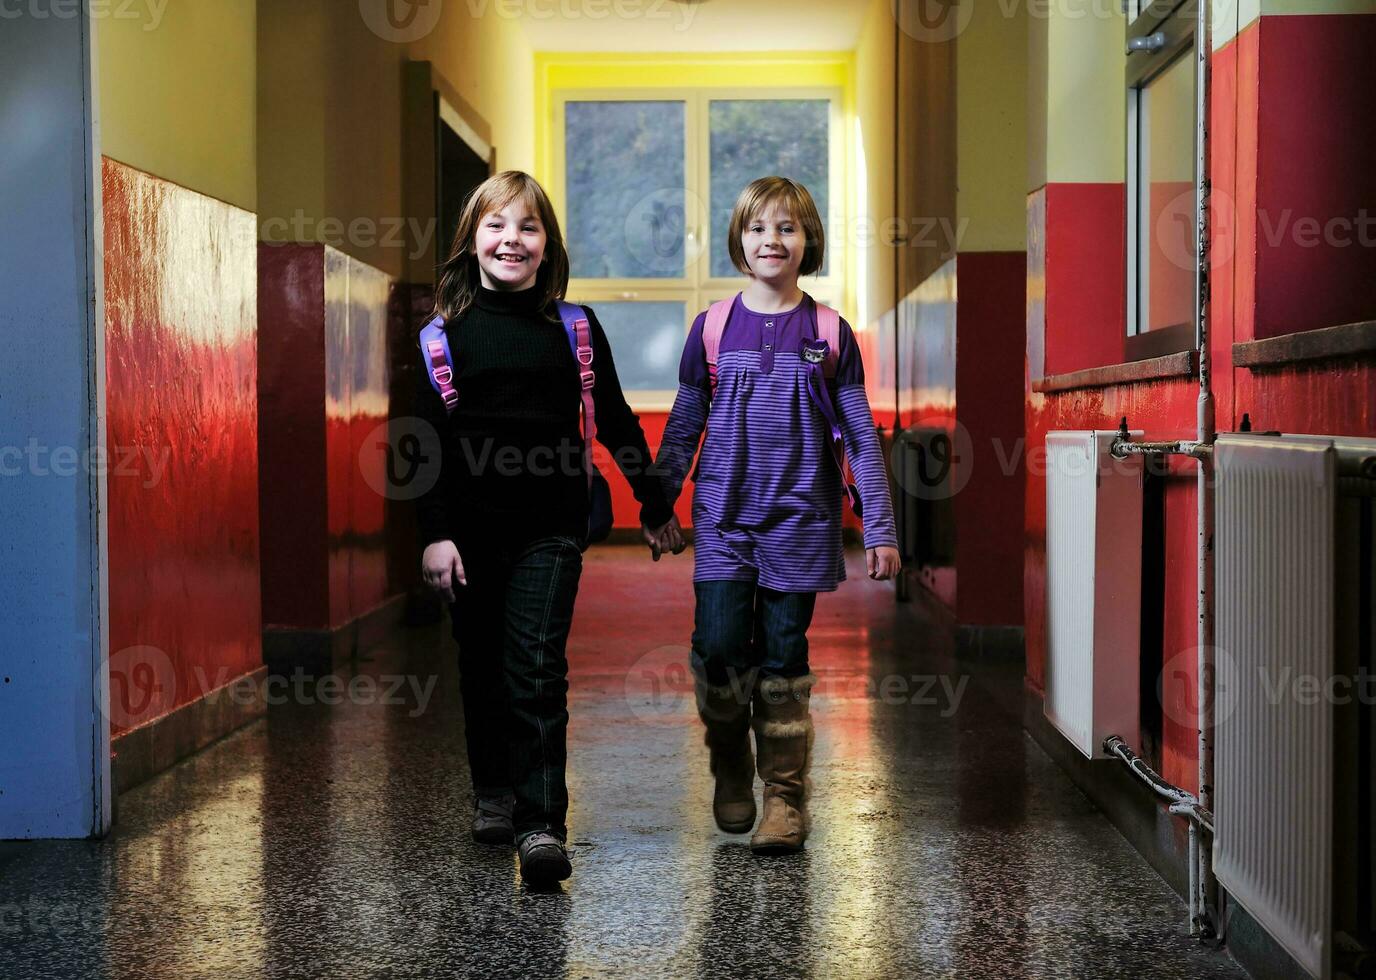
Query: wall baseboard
x=989 y=642
x=142 y=753
x=313 y=653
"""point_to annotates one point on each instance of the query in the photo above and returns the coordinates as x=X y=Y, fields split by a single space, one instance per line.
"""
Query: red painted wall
x=181 y=424
x=990 y=337
x=1085 y=297
x=1316 y=165
x=625 y=508
x=291 y=397
x=324 y=395
x=356 y=411
x=1282 y=88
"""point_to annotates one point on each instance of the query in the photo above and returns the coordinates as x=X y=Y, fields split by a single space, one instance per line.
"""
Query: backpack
x=822 y=361
x=439 y=367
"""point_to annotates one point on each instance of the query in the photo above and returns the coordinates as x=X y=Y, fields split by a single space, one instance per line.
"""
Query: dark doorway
x=459 y=170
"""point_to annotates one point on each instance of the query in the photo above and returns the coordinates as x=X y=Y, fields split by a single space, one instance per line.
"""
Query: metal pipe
x=1202 y=921
x=1183 y=803
x=1123 y=448
x=1196 y=814
x=1192 y=850
x=1352 y=463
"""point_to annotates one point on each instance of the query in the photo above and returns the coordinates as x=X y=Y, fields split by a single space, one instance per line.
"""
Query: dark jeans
x=740 y=626
x=512 y=622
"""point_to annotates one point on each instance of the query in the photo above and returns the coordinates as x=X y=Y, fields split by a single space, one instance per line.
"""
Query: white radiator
x=1276 y=549
x=1093 y=589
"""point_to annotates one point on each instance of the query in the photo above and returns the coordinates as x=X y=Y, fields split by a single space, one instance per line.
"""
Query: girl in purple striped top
x=767 y=506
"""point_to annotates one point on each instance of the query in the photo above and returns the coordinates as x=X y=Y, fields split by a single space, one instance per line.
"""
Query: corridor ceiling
x=712 y=25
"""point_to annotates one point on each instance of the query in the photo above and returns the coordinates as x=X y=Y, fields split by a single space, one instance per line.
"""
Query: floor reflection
x=332 y=840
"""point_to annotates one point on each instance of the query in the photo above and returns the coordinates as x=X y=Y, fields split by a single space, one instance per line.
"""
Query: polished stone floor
x=330 y=840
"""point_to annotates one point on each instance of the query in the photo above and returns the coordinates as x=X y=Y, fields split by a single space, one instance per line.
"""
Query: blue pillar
x=54 y=686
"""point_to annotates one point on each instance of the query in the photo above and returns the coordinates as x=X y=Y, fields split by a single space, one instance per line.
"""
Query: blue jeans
x=740 y=626
x=512 y=624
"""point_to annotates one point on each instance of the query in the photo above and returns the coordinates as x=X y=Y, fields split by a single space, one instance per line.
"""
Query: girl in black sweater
x=505 y=524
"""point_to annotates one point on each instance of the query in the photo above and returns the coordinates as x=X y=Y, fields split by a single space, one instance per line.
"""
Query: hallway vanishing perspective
x=1095 y=311
x=333 y=841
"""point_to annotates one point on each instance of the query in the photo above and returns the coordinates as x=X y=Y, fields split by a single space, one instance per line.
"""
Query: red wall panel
x=1085 y=299
x=990 y=338
x=291 y=393
x=1223 y=222
x=625 y=508
x=1316 y=172
x=325 y=395
x=181 y=403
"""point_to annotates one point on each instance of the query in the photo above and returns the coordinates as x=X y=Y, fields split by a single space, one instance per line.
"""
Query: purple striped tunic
x=768 y=497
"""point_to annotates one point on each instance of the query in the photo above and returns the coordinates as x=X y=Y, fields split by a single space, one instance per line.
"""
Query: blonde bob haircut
x=459 y=278
x=791 y=197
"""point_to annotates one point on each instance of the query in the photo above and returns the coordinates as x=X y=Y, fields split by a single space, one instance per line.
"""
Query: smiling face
x=510 y=244
x=773 y=244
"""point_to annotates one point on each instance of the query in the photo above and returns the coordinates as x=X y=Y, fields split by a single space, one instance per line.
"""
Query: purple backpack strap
x=829 y=333
x=439 y=365
x=712 y=329
x=580 y=341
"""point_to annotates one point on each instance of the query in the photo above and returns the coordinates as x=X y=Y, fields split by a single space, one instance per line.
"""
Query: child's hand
x=668 y=537
x=882 y=563
x=671 y=537
x=442 y=568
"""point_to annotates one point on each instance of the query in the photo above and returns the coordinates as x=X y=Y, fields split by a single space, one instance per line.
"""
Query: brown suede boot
x=725 y=711
x=783 y=744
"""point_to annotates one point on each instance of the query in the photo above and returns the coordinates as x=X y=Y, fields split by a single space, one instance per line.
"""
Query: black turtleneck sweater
x=511 y=451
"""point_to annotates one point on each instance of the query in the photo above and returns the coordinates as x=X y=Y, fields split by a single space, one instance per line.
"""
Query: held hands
x=882 y=563
x=442 y=568
x=669 y=538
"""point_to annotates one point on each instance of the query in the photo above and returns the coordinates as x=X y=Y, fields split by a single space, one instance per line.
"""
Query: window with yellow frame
x=644 y=180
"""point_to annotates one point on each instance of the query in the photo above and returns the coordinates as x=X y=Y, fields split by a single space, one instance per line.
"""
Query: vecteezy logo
x=934 y=461
x=1175 y=228
x=400 y=458
x=659 y=685
x=143 y=685
x=658 y=230
x=932 y=21
x=401 y=21
x=1178 y=689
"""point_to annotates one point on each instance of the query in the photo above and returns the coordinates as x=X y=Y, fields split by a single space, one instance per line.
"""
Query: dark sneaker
x=543 y=859
x=492 y=820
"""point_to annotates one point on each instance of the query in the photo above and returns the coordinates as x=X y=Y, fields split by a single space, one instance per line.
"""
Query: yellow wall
x=1086 y=94
x=1038 y=39
x=489 y=61
x=874 y=66
x=330 y=116
x=176 y=93
x=991 y=130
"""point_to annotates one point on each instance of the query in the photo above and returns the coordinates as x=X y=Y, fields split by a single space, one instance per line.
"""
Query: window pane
x=758 y=138
x=624 y=175
x=647 y=342
x=1166 y=217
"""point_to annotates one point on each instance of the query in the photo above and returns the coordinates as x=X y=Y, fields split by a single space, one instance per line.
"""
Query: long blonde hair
x=459 y=278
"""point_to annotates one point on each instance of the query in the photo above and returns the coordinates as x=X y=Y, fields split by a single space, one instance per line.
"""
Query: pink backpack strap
x=439 y=366
x=829 y=329
x=712 y=330
x=580 y=341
